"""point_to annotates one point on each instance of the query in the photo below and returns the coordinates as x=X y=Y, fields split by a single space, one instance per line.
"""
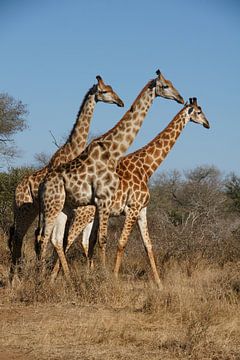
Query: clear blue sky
x=52 y=50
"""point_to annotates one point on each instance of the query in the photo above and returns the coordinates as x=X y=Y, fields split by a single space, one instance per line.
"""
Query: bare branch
x=54 y=140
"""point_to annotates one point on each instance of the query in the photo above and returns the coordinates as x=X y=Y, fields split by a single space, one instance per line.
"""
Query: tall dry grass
x=196 y=316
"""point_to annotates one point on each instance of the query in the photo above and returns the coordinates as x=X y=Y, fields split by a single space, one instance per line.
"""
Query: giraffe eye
x=165 y=86
x=199 y=112
x=103 y=92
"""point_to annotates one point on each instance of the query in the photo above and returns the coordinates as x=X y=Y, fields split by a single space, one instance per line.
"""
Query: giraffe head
x=165 y=89
x=195 y=114
x=106 y=94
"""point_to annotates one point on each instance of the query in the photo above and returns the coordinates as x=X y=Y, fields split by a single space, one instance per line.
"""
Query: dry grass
x=196 y=316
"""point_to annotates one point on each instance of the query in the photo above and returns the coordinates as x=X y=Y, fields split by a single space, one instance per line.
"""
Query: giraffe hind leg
x=24 y=218
x=143 y=227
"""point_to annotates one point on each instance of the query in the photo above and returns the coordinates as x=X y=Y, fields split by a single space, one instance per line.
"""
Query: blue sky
x=51 y=52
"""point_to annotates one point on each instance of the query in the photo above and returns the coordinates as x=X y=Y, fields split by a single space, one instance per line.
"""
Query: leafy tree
x=232 y=187
x=205 y=175
x=187 y=214
x=12 y=120
x=8 y=183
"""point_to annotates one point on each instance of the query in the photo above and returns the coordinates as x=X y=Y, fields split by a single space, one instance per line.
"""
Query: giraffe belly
x=78 y=196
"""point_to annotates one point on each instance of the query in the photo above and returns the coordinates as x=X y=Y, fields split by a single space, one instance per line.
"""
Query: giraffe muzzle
x=206 y=124
x=120 y=103
x=180 y=100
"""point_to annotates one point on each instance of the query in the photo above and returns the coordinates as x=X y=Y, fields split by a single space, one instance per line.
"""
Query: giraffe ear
x=100 y=81
x=190 y=110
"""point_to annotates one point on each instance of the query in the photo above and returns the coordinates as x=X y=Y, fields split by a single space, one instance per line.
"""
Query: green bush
x=8 y=183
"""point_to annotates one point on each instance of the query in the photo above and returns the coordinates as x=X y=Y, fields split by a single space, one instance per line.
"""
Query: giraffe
x=26 y=193
x=91 y=178
x=132 y=196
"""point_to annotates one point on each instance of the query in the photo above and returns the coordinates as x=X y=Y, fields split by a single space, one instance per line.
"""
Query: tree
x=8 y=183
x=12 y=120
x=188 y=215
x=232 y=187
x=42 y=159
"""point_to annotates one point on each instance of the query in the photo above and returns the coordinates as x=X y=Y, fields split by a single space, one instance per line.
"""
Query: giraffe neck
x=77 y=139
x=121 y=136
x=152 y=154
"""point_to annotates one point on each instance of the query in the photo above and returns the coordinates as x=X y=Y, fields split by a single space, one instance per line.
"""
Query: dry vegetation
x=196 y=316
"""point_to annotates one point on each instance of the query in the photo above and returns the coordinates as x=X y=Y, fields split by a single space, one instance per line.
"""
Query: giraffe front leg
x=131 y=216
x=93 y=239
x=42 y=241
x=57 y=241
x=143 y=227
x=85 y=237
x=82 y=216
x=64 y=264
x=59 y=249
x=102 y=233
x=104 y=196
x=99 y=231
x=82 y=222
x=41 y=246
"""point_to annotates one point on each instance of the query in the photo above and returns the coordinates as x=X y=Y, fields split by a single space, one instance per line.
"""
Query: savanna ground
x=195 y=316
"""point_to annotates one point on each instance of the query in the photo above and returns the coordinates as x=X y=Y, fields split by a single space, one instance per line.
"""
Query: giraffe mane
x=91 y=91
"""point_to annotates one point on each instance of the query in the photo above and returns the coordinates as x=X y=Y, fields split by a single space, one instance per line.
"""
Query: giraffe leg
x=130 y=220
x=63 y=262
x=103 y=199
x=82 y=219
x=57 y=241
x=99 y=231
x=102 y=232
x=143 y=227
x=15 y=245
x=51 y=207
x=43 y=239
x=55 y=270
x=24 y=217
x=85 y=238
x=57 y=237
x=93 y=239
